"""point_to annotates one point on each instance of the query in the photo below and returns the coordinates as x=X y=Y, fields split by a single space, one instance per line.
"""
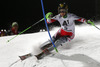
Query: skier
x=14 y=29
x=65 y=33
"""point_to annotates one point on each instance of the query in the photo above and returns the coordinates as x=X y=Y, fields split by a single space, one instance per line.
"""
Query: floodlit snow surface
x=82 y=51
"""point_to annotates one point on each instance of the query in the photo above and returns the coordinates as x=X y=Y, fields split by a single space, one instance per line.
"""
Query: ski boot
x=42 y=54
x=47 y=44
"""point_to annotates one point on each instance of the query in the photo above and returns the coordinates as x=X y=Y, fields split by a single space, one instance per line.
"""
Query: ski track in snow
x=82 y=51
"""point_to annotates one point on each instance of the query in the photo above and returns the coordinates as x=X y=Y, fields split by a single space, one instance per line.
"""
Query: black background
x=28 y=12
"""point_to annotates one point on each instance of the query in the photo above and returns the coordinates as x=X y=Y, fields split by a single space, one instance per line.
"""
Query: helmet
x=63 y=6
x=14 y=23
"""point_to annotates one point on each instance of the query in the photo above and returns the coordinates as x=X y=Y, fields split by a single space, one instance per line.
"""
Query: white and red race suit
x=67 y=25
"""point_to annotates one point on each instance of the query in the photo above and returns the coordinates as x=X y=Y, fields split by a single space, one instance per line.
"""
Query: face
x=15 y=27
x=62 y=12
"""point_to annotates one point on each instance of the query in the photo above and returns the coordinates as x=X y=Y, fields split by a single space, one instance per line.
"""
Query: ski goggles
x=63 y=11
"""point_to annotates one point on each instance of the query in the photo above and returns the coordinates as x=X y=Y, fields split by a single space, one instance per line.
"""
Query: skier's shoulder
x=71 y=14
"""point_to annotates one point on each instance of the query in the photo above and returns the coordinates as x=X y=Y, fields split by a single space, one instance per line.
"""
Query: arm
x=77 y=18
x=83 y=20
x=51 y=20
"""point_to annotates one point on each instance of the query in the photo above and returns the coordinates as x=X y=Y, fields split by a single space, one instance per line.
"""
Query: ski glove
x=90 y=22
x=49 y=15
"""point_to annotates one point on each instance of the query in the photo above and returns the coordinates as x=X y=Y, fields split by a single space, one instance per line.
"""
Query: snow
x=82 y=51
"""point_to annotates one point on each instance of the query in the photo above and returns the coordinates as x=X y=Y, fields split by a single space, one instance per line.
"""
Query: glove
x=49 y=15
x=90 y=22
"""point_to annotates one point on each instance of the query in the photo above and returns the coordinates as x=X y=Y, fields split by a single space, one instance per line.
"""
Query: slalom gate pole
x=25 y=30
x=47 y=26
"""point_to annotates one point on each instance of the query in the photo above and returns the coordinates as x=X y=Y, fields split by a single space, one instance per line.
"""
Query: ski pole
x=25 y=30
x=92 y=23
x=97 y=27
x=47 y=26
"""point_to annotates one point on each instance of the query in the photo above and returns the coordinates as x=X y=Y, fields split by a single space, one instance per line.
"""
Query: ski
x=23 y=57
x=14 y=63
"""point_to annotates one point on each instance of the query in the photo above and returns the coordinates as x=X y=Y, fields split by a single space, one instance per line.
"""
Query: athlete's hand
x=90 y=22
x=49 y=15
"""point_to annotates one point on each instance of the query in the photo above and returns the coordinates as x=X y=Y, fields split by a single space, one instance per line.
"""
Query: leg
x=47 y=44
x=60 y=37
x=46 y=50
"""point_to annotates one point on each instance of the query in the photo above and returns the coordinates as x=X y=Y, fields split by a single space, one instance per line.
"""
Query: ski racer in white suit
x=65 y=33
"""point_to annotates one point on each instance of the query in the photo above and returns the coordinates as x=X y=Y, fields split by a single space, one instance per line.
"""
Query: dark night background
x=28 y=12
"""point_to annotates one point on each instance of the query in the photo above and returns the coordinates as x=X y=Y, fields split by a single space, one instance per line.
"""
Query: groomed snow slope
x=82 y=51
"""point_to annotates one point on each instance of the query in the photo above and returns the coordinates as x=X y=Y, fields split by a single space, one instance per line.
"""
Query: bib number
x=65 y=24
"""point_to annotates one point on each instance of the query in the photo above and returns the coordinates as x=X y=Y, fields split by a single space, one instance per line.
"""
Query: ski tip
x=22 y=58
x=25 y=56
